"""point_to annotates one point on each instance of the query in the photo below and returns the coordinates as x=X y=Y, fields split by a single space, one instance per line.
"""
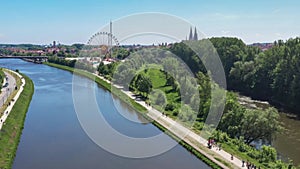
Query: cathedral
x=193 y=37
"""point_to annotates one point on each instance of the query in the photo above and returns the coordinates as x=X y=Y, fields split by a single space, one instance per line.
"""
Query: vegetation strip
x=139 y=108
x=12 y=129
x=2 y=78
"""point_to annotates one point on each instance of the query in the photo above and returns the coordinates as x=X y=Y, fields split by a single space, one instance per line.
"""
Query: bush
x=268 y=154
x=170 y=107
x=175 y=113
x=220 y=136
x=198 y=125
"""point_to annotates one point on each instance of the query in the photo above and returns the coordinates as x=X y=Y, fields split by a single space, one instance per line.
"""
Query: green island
x=12 y=129
x=240 y=126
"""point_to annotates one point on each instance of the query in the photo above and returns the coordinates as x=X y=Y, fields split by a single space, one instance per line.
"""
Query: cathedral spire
x=195 y=34
x=191 y=34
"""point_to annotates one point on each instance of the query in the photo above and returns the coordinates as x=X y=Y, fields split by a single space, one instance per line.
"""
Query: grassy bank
x=12 y=130
x=139 y=109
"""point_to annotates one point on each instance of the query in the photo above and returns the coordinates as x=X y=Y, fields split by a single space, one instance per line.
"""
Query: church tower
x=191 y=34
x=195 y=35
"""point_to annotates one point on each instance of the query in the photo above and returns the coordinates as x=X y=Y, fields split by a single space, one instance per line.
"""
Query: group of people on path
x=249 y=165
x=212 y=143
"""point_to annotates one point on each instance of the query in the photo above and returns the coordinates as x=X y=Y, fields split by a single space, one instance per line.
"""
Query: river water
x=53 y=138
x=287 y=143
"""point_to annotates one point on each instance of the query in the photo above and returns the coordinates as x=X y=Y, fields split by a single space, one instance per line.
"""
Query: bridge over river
x=34 y=59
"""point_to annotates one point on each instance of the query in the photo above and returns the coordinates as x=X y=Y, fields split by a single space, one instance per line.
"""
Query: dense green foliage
x=251 y=125
x=120 y=53
x=238 y=123
x=143 y=84
x=265 y=157
x=12 y=130
x=272 y=75
x=72 y=63
x=107 y=70
x=37 y=50
x=269 y=75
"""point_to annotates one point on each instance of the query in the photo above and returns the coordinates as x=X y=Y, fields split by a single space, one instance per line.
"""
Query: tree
x=231 y=120
x=160 y=98
x=143 y=84
x=172 y=82
x=260 y=125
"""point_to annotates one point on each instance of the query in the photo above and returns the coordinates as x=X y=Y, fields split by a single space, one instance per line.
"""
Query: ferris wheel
x=104 y=41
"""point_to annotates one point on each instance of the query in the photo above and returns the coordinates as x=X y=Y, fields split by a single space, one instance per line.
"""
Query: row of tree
x=237 y=122
x=272 y=75
x=72 y=63
x=252 y=125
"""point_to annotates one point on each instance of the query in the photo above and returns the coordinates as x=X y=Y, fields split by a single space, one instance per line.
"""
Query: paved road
x=6 y=91
x=9 y=108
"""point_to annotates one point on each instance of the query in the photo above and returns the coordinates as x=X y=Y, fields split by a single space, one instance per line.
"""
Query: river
x=53 y=138
x=287 y=143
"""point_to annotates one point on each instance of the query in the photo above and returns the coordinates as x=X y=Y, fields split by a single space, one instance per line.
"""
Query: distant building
x=263 y=46
x=54 y=44
x=193 y=37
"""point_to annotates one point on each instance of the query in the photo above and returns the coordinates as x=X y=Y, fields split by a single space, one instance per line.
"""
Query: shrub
x=170 y=107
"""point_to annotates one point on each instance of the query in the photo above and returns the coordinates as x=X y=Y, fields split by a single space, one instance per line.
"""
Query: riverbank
x=104 y=84
x=216 y=159
x=12 y=129
x=2 y=79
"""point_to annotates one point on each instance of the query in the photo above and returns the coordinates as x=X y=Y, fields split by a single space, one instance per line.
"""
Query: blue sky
x=73 y=21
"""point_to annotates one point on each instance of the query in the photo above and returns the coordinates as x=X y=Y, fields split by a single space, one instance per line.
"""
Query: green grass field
x=159 y=83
